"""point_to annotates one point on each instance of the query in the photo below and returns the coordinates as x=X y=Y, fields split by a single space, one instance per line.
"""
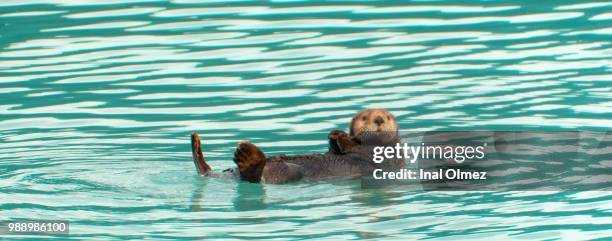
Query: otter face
x=373 y=120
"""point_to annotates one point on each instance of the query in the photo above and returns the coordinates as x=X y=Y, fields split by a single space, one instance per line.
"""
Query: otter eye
x=363 y=118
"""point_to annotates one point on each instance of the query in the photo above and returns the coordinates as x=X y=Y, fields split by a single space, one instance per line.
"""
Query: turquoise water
x=98 y=98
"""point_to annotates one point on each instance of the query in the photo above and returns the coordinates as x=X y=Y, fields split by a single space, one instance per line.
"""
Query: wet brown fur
x=253 y=166
x=250 y=160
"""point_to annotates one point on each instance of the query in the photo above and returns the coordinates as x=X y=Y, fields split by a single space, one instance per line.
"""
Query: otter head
x=375 y=122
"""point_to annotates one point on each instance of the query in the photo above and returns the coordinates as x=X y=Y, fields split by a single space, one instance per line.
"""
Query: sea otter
x=349 y=155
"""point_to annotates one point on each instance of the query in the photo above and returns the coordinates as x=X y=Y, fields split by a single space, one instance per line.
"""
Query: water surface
x=98 y=99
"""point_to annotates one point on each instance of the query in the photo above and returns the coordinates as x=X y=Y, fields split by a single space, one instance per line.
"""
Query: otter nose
x=379 y=120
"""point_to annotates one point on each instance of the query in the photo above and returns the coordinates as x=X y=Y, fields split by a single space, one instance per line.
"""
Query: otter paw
x=198 y=156
x=346 y=143
x=333 y=137
x=335 y=134
x=250 y=160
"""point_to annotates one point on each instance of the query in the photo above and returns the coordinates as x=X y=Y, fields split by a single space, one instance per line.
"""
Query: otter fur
x=349 y=155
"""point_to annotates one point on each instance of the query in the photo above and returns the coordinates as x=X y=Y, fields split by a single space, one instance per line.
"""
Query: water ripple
x=99 y=98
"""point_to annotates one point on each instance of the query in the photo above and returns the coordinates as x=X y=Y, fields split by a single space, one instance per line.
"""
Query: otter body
x=312 y=167
x=348 y=155
x=289 y=168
